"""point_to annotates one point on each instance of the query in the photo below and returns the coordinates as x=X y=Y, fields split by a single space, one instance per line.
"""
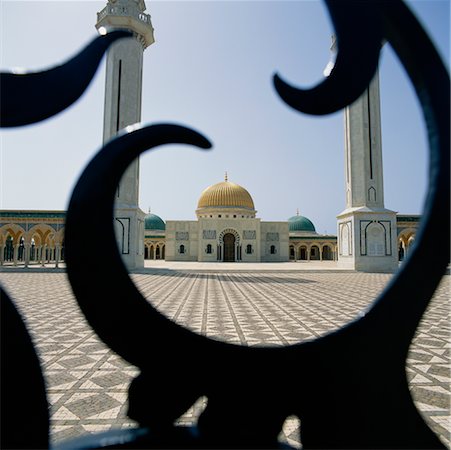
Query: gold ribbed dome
x=225 y=194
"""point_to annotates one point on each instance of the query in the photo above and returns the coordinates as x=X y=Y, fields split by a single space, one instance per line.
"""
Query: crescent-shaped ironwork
x=421 y=273
x=28 y=98
x=358 y=371
x=112 y=304
x=390 y=323
x=358 y=36
x=25 y=99
x=24 y=409
x=138 y=332
x=360 y=365
x=349 y=388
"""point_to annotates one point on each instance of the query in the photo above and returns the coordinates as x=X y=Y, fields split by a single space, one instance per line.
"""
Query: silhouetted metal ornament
x=132 y=327
x=27 y=98
x=105 y=293
x=349 y=387
x=358 y=36
x=365 y=361
x=24 y=410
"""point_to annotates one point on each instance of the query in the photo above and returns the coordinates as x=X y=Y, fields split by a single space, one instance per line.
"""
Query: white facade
x=227 y=239
x=366 y=229
x=123 y=87
x=226 y=230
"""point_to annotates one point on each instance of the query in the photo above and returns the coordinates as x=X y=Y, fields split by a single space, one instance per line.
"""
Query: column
x=15 y=254
x=27 y=254
x=43 y=251
x=57 y=254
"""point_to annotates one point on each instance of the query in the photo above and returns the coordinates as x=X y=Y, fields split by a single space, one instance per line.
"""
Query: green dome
x=300 y=223
x=154 y=222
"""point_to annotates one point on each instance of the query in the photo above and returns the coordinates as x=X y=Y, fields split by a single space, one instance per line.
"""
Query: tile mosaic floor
x=87 y=383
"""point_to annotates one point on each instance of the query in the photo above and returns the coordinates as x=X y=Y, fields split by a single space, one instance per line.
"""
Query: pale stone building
x=226 y=229
x=154 y=237
x=306 y=244
x=36 y=238
x=31 y=237
x=370 y=237
x=407 y=227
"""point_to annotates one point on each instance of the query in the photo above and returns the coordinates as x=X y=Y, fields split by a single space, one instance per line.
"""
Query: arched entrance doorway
x=229 y=247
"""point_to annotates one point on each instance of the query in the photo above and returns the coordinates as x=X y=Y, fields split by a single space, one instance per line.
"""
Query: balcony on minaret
x=130 y=15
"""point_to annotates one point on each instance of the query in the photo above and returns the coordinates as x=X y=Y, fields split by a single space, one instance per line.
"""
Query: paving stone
x=87 y=383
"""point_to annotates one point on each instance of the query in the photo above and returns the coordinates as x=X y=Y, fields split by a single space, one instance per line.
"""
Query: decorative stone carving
x=249 y=234
x=209 y=234
x=181 y=236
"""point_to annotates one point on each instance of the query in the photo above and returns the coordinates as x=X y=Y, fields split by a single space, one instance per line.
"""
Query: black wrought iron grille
x=358 y=372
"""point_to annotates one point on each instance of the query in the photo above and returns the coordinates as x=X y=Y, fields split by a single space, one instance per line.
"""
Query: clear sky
x=211 y=68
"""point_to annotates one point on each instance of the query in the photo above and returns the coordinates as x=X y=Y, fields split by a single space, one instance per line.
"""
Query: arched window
x=209 y=249
x=272 y=249
x=248 y=249
x=314 y=252
x=21 y=250
x=400 y=252
x=182 y=249
x=345 y=244
x=375 y=239
x=327 y=254
x=9 y=249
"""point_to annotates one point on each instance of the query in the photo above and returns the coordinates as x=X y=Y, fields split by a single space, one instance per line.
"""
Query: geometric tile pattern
x=87 y=383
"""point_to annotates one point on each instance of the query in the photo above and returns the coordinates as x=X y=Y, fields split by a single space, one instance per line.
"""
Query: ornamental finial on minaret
x=129 y=15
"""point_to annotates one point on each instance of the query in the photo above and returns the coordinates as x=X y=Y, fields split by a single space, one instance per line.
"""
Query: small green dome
x=300 y=223
x=154 y=222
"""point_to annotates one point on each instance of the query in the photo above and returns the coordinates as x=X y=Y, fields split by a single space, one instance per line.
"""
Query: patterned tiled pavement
x=87 y=383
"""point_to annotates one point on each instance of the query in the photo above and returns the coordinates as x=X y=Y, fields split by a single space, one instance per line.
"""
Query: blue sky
x=211 y=68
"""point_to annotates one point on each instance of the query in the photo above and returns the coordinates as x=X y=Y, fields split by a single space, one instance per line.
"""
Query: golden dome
x=225 y=194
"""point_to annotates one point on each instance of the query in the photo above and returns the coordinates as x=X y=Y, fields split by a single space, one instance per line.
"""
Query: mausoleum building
x=227 y=229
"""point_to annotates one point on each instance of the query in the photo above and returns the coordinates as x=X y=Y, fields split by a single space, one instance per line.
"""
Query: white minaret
x=366 y=230
x=123 y=88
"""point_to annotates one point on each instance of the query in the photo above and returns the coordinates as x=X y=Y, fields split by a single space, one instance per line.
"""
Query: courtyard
x=261 y=304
